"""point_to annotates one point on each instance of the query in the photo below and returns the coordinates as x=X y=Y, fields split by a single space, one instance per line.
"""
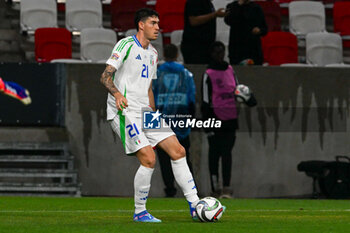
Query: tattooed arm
x=107 y=80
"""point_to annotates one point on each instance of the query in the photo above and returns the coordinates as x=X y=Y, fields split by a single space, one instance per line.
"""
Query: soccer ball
x=209 y=209
x=242 y=93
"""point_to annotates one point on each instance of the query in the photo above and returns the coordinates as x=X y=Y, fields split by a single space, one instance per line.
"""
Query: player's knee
x=147 y=157
x=149 y=162
x=179 y=153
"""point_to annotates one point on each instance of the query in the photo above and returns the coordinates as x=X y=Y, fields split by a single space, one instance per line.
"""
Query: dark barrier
x=46 y=84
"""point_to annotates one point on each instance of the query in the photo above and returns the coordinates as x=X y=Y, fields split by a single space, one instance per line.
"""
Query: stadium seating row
x=96 y=44
x=55 y=44
x=80 y=14
x=322 y=49
x=280 y=48
x=305 y=17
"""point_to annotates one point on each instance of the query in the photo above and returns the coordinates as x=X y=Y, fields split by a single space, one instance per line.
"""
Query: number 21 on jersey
x=144 y=73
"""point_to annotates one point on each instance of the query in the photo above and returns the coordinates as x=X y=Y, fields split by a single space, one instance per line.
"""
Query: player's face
x=151 y=28
x=218 y=54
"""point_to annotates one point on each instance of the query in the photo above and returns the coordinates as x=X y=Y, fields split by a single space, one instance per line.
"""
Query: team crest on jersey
x=151 y=60
x=115 y=56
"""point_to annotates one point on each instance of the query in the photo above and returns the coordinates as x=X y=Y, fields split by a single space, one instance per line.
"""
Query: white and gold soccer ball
x=209 y=209
x=242 y=93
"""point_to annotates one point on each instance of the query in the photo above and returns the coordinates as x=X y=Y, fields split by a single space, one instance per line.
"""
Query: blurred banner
x=46 y=84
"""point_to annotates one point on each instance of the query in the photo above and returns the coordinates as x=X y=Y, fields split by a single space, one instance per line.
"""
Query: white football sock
x=142 y=184
x=185 y=180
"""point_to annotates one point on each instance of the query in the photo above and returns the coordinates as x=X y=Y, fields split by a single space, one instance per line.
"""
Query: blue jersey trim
x=137 y=41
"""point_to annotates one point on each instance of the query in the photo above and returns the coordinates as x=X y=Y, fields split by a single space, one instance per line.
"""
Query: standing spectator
x=219 y=84
x=174 y=94
x=247 y=22
x=199 y=30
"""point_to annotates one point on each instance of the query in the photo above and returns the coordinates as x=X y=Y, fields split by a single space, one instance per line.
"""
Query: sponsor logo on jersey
x=138 y=57
x=115 y=56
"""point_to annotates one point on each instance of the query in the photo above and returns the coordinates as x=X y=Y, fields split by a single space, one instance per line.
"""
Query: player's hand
x=220 y=13
x=120 y=101
x=256 y=31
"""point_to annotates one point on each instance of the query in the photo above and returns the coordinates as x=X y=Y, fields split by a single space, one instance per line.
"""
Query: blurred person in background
x=247 y=24
x=199 y=30
x=174 y=94
x=218 y=101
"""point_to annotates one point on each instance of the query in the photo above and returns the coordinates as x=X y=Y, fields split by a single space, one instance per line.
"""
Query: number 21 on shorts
x=131 y=128
x=144 y=73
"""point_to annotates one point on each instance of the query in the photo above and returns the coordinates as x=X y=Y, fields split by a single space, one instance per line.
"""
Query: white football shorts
x=133 y=137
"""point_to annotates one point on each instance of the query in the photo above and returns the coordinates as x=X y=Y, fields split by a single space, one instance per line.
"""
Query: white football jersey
x=136 y=67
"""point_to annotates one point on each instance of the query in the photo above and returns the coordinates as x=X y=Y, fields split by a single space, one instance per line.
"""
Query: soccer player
x=128 y=78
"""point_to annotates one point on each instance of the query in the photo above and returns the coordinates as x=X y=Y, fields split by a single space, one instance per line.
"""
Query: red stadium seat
x=272 y=12
x=52 y=43
x=280 y=48
x=171 y=14
x=123 y=13
x=341 y=20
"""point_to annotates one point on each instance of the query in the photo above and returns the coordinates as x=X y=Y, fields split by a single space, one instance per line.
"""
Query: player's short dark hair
x=216 y=44
x=142 y=14
x=170 y=52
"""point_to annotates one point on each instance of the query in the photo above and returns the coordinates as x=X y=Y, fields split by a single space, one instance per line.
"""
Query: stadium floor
x=49 y=214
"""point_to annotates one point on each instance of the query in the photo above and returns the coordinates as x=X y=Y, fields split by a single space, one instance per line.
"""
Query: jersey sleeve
x=118 y=53
x=154 y=75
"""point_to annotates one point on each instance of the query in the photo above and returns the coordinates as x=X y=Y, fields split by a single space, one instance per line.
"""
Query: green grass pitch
x=40 y=214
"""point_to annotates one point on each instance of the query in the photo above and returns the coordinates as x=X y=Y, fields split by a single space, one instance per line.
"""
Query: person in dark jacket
x=199 y=30
x=247 y=24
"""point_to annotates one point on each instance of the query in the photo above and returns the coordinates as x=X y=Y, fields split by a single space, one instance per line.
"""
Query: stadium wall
x=46 y=84
x=302 y=114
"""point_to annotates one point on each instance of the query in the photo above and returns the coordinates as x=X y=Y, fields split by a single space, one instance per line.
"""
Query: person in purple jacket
x=219 y=102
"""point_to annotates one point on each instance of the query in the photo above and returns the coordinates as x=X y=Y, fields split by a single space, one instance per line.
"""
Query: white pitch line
x=81 y=211
x=159 y=211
